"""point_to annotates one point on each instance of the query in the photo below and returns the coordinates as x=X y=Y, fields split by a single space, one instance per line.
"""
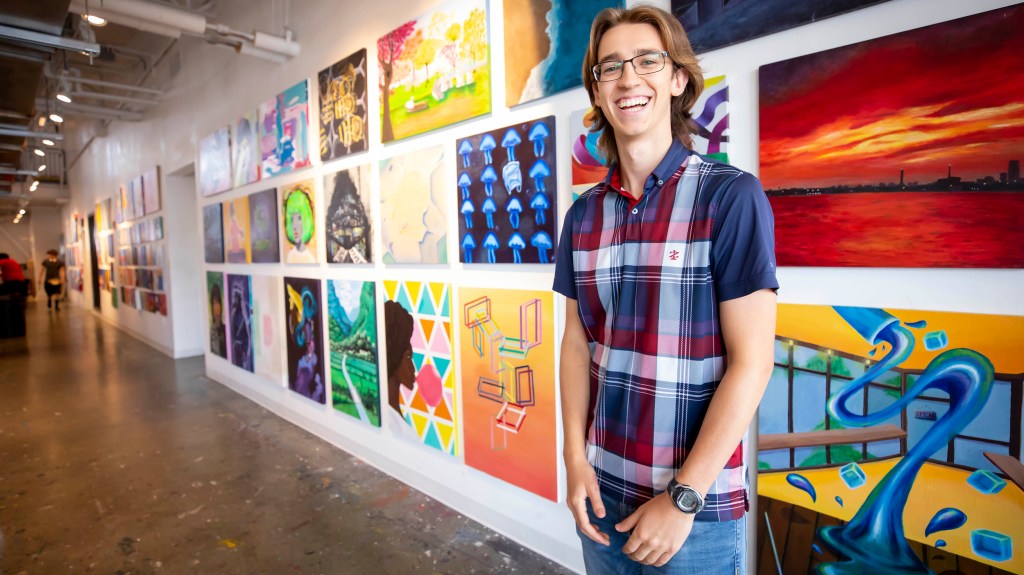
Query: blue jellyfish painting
x=510 y=140
x=496 y=188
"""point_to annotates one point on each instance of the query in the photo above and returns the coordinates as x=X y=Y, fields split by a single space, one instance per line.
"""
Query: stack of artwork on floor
x=364 y=314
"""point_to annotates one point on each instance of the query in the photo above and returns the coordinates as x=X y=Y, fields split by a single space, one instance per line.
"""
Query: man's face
x=637 y=106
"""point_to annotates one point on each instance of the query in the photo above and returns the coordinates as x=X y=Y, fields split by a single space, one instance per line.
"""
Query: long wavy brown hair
x=679 y=52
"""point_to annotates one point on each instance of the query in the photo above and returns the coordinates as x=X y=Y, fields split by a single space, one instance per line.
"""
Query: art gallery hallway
x=116 y=459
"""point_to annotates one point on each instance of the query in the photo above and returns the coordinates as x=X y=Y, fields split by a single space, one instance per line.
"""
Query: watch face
x=689 y=500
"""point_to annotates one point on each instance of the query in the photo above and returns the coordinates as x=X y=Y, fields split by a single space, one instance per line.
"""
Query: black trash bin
x=12 y=316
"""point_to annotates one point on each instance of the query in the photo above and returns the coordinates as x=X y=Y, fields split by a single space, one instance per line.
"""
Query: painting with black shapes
x=305 y=338
x=239 y=296
x=507 y=191
x=349 y=228
x=213 y=234
x=343 y=125
x=263 y=227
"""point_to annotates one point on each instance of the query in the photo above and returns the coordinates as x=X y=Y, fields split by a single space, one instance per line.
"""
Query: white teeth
x=630 y=102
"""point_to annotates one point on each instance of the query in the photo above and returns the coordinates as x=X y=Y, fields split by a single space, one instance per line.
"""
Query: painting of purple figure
x=215 y=307
x=240 y=321
x=283 y=131
x=507 y=191
x=263 y=238
x=213 y=234
x=343 y=123
x=305 y=338
x=214 y=167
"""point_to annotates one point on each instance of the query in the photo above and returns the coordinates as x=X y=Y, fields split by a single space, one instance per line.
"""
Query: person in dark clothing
x=12 y=277
x=52 y=277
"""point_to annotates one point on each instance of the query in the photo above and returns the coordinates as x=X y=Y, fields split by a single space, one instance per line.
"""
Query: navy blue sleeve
x=743 y=240
x=565 y=274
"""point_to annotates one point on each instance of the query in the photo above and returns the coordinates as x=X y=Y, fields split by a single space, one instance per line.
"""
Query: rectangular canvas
x=545 y=41
x=100 y=218
x=422 y=395
x=507 y=194
x=888 y=437
x=284 y=131
x=240 y=341
x=349 y=228
x=710 y=113
x=352 y=329
x=123 y=202
x=245 y=150
x=344 y=126
x=717 y=23
x=236 y=231
x=875 y=156
x=213 y=234
x=507 y=367
x=298 y=222
x=138 y=203
x=268 y=327
x=215 y=314
x=214 y=163
x=435 y=70
x=263 y=227
x=414 y=222
x=305 y=345
x=151 y=191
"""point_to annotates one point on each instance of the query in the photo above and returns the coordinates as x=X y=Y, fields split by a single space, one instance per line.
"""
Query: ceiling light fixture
x=95 y=20
x=48 y=142
x=64 y=98
x=34 y=185
x=22 y=211
x=39 y=152
x=56 y=119
x=42 y=168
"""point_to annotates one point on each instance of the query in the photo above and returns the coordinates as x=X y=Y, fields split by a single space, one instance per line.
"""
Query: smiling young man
x=668 y=268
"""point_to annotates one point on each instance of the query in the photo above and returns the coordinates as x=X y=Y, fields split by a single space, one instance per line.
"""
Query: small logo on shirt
x=673 y=255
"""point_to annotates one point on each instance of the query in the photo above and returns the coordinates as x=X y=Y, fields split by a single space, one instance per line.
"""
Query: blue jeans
x=713 y=548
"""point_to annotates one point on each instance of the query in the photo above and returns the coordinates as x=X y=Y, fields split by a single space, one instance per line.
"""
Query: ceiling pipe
x=10 y=172
x=106 y=113
x=22 y=132
x=164 y=15
x=48 y=40
x=78 y=7
x=113 y=98
x=276 y=44
x=106 y=84
x=249 y=50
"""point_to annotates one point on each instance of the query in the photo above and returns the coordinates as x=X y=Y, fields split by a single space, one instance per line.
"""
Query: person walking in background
x=668 y=269
x=52 y=277
x=12 y=277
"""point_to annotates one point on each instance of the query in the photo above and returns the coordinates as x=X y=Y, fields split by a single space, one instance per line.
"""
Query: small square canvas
x=298 y=223
x=284 y=131
x=349 y=227
x=214 y=164
x=240 y=340
x=414 y=225
x=263 y=227
x=305 y=348
x=352 y=325
x=213 y=234
x=343 y=121
x=245 y=150
x=236 y=231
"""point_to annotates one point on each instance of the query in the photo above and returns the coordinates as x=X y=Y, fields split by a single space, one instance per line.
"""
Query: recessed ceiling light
x=48 y=142
x=42 y=168
x=94 y=20
x=64 y=98
x=22 y=211
x=39 y=152
x=56 y=118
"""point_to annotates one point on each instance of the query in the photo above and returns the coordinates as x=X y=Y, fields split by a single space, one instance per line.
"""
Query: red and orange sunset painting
x=902 y=151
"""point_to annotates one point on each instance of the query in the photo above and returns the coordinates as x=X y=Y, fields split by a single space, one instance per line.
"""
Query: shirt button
x=635 y=211
x=661 y=182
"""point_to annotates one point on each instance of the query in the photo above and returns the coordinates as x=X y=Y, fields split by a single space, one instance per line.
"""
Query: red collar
x=616 y=184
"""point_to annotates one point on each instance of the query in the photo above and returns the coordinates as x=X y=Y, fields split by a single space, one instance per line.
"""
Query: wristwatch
x=685 y=498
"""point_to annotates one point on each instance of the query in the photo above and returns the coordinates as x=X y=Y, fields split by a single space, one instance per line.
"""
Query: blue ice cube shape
x=935 y=340
x=852 y=475
x=991 y=545
x=986 y=482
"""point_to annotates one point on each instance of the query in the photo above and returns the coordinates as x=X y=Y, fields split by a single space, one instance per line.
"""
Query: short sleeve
x=743 y=240
x=565 y=273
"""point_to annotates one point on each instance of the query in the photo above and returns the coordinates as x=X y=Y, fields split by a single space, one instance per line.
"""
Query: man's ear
x=679 y=81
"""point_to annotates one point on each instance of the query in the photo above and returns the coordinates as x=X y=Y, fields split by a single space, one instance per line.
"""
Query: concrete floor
x=116 y=459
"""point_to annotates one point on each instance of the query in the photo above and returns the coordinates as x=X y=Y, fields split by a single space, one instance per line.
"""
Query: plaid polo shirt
x=648 y=279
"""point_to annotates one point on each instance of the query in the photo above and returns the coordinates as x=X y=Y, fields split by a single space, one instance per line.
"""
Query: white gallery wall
x=215 y=86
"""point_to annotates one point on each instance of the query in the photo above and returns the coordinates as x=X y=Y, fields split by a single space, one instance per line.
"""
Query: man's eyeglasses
x=648 y=63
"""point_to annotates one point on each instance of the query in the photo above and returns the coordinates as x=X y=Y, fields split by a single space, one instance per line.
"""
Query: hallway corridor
x=116 y=459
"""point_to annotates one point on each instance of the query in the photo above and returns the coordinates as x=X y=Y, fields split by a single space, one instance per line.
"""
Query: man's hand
x=659 y=531
x=582 y=485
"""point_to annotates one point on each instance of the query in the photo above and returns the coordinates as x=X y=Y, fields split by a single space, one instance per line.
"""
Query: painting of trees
x=389 y=49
